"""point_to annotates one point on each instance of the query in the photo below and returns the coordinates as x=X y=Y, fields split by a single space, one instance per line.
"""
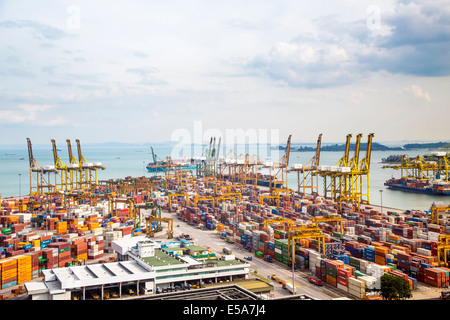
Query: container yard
x=93 y=239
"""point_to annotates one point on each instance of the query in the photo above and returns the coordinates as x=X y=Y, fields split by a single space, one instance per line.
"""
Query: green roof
x=195 y=248
x=161 y=258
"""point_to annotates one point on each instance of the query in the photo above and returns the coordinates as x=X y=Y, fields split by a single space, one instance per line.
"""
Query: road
x=212 y=240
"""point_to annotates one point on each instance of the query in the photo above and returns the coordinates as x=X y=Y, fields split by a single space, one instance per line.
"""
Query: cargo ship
x=163 y=165
x=395 y=158
x=419 y=186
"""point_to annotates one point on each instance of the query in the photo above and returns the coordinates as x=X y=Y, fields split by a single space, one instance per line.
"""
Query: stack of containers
x=271 y=249
x=79 y=249
x=95 y=247
x=110 y=236
x=61 y=227
x=356 y=288
x=24 y=269
x=125 y=231
x=369 y=253
x=63 y=253
x=343 y=274
x=278 y=249
x=434 y=277
x=380 y=255
x=331 y=267
x=370 y=282
x=8 y=272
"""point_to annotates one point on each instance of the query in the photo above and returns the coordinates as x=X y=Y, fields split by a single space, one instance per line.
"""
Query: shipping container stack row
x=401 y=234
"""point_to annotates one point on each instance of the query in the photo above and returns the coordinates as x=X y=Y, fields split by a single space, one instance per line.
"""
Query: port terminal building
x=143 y=267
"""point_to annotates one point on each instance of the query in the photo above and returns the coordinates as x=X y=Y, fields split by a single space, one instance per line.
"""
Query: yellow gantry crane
x=435 y=213
x=306 y=181
x=89 y=173
x=65 y=184
x=75 y=168
x=349 y=178
x=304 y=232
x=275 y=198
x=197 y=198
x=419 y=168
x=329 y=173
x=327 y=218
x=176 y=195
x=151 y=219
x=40 y=176
x=287 y=222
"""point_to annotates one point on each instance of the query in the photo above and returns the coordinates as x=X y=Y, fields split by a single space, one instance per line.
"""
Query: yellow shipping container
x=9 y=274
x=381 y=249
x=36 y=243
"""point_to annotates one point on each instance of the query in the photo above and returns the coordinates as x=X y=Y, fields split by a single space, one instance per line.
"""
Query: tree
x=394 y=287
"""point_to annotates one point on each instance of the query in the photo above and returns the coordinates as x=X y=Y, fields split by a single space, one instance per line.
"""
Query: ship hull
x=162 y=169
x=430 y=189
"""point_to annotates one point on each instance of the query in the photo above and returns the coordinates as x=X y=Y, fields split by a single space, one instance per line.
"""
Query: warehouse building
x=143 y=267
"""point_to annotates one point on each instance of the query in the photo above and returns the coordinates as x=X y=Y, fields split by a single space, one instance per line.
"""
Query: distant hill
x=375 y=147
x=435 y=145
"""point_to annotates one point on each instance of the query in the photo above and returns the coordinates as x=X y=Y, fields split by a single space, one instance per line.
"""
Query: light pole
x=382 y=220
x=381 y=195
x=20 y=184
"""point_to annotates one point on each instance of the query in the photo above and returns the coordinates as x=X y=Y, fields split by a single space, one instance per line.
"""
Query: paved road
x=264 y=269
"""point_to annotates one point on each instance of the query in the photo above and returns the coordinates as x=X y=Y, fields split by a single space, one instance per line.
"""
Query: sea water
x=130 y=160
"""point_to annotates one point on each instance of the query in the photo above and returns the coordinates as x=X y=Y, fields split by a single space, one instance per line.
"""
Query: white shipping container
x=342 y=287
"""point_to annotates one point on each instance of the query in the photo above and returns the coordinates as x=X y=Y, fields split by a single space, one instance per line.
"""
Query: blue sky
x=137 y=71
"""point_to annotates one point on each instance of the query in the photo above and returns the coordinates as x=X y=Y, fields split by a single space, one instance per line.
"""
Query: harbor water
x=130 y=160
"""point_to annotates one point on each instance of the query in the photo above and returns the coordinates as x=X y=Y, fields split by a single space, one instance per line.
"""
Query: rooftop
x=162 y=258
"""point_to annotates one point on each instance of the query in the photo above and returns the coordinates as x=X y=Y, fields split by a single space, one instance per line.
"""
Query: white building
x=143 y=267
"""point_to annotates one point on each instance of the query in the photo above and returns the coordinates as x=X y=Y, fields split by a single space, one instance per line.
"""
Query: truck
x=315 y=280
x=289 y=287
x=268 y=258
x=249 y=258
x=275 y=278
x=227 y=250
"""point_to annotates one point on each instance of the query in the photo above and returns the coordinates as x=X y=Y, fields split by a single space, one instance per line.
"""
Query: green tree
x=394 y=287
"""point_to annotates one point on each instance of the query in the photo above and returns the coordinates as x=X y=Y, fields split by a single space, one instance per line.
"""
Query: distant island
x=375 y=147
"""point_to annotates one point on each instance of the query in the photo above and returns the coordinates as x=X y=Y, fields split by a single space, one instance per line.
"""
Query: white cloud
x=23 y=113
x=418 y=92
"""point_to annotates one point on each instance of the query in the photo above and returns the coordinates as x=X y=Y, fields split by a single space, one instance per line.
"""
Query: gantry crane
x=304 y=232
x=329 y=218
x=280 y=168
x=209 y=166
x=417 y=168
x=435 y=213
x=65 y=182
x=275 y=198
x=89 y=175
x=330 y=184
x=197 y=198
x=76 y=170
x=150 y=219
x=306 y=181
x=40 y=176
x=359 y=176
x=285 y=221
x=113 y=201
x=287 y=191
x=176 y=195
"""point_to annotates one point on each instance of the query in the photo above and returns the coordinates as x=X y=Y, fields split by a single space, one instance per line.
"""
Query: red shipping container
x=342 y=281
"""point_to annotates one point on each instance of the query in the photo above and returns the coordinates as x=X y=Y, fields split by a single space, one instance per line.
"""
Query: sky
x=152 y=71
